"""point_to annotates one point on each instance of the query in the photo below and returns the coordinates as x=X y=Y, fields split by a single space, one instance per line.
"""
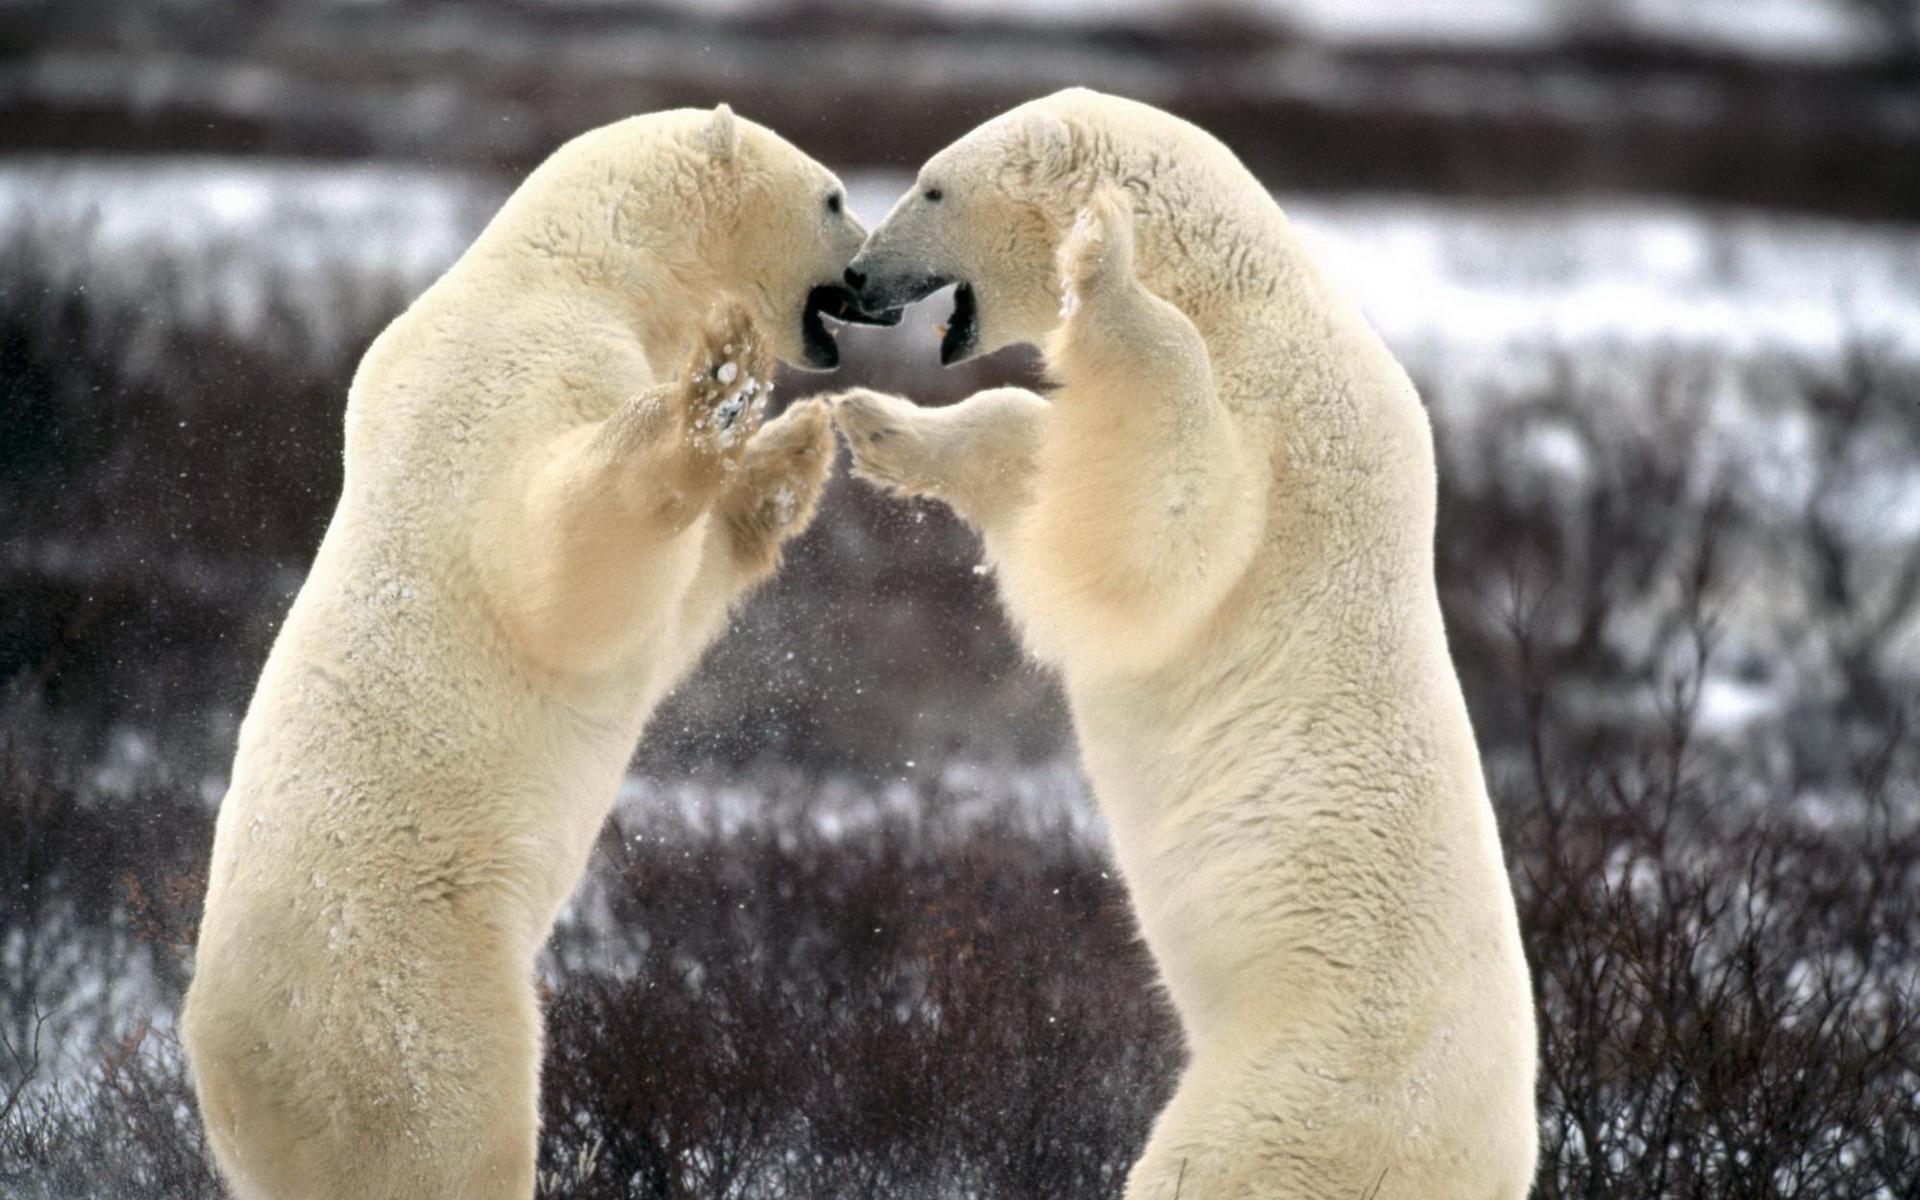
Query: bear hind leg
x=1243 y=1132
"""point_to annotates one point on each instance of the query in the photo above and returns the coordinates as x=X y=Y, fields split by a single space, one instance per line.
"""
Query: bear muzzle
x=881 y=290
x=889 y=292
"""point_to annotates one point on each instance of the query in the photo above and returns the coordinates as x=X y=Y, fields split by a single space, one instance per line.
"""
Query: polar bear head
x=677 y=211
x=987 y=213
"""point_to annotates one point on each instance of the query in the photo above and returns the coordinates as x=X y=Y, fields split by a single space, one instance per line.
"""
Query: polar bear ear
x=722 y=135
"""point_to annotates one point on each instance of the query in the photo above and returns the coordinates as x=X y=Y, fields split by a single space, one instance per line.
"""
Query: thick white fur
x=1220 y=529
x=553 y=493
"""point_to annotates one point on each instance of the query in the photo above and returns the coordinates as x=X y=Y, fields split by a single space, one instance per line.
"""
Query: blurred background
x=1655 y=265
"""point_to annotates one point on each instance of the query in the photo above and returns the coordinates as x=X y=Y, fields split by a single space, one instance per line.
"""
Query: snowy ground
x=1501 y=311
x=1482 y=301
x=1463 y=290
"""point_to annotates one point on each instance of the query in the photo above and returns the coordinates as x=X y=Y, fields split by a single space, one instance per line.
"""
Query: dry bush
x=879 y=1015
x=1725 y=967
x=1726 y=976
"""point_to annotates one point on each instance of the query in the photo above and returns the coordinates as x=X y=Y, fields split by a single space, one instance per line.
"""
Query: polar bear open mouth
x=963 y=327
x=840 y=303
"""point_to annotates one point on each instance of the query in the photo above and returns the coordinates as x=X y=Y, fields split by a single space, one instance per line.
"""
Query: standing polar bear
x=548 y=508
x=1220 y=529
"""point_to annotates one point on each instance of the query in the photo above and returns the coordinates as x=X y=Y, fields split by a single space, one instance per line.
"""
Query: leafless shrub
x=886 y=1016
x=1727 y=980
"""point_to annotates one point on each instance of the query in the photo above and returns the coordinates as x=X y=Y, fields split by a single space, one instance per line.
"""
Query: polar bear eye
x=933 y=195
x=833 y=204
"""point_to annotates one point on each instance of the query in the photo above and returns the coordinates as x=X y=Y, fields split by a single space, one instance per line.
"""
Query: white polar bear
x=1220 y=529
x=547 y=509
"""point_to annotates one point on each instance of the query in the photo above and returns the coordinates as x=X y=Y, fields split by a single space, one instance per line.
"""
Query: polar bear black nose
x=856 y=279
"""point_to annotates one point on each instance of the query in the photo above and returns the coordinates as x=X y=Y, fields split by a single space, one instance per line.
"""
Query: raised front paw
x=885 y=435
x=1096 y=256
x=780 y=478
x=728 y=381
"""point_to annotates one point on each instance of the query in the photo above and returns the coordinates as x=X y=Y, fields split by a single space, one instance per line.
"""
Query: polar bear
x=1220 y=530
x=556 y=484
